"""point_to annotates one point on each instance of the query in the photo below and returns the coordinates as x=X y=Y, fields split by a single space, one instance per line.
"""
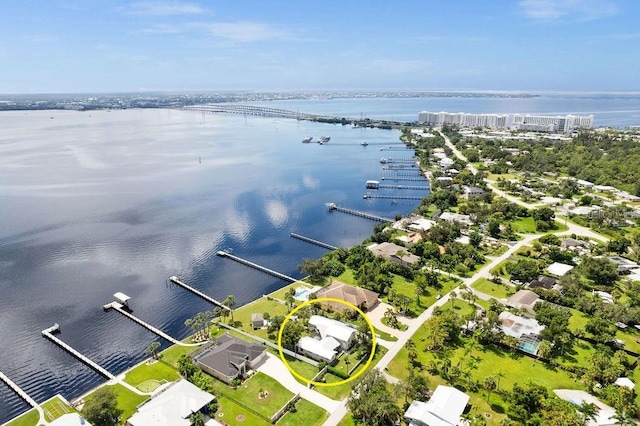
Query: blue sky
x=105 y=46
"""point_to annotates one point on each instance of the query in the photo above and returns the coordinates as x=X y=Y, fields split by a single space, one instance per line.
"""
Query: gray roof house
x=229 y=357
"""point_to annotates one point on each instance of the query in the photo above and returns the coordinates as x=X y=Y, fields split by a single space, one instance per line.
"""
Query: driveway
x=375 y=316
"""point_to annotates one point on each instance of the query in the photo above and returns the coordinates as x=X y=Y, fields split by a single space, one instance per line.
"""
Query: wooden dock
x=258 y=267
x=403 y=179
x=119 y=308
x=391 y=197
x=333 y=206
x=396 y=149
x=312 y=241
x=18 y=390
x=197 y=292
x=49 y=334
x=415 y=187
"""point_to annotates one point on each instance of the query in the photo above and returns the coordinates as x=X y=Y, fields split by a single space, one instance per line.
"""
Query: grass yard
x=347 y=420
x=630 y=336
x=233 y=414
x=171 y=355
x=302 y=368
x=158 y=371
x=499 y=291
x=127 y=401
x=262 y=305
x=524 y=225
x=306 y=414
x=30 y=418
x=489 y=361
x=248 y=394
x=55 y=407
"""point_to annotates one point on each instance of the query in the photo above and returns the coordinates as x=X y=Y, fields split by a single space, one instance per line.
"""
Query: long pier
x=392 y=197
x=256 y=266
x=48 y=333
x=403 y=179
x=416 y=187
x=402 y=173
x=334 y=206
x=404 y=160
x=119 y=308
x=197 y=292
x=399 y=167
x=18 y=390
x=361 y=144
x=253 y=110
x=312 y=241
x=395 y=149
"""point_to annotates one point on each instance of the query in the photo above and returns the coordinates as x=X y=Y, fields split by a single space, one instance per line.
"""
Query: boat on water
x=383 y=160
x=307 y=139
x=323 y=139
x=364 y=143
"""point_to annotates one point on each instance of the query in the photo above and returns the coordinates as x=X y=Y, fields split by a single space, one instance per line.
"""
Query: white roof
x=121 y=297
x=70 y=419
x=322 y=348
x=606 y=414
x=421 y=224
x=624 y=381
x=584 y=210
x=517 y=326
x=173 y=406
x=332 y=328
x=455 y=217
x=444 y=408
x=559 y=269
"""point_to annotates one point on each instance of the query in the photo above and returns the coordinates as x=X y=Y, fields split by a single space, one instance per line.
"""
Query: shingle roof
x=228 y=353
x=358 y=296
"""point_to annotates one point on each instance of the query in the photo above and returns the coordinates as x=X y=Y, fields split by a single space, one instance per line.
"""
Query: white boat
x=364 y=143
x=307 y=139
x=323 y=139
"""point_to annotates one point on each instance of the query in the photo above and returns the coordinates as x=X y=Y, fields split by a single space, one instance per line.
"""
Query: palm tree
x=589 y=410
x=489 y=384
x=419 y=292
x=289 y=300
x=197 y=419
x=412 y=353
x=230 y=302
x=544 y=349
x=499 y=375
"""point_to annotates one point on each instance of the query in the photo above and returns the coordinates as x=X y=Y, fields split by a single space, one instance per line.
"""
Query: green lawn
x=260 y=306
x=499 y=291
x=524 y=225
x=55 y=407
x=171 y=355
x=306 y=414
x=30 y=418
x=302 y=368
x=248 y=394
x=159 y=370
x=233 y=414
x=630 y=336
x=385 y=336
x=127 y=401
x=347 y=420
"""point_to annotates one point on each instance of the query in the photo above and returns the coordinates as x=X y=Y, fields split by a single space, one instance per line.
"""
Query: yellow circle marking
x=320 y=300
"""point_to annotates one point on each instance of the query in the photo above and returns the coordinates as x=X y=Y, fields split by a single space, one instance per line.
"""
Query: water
x=98 y=202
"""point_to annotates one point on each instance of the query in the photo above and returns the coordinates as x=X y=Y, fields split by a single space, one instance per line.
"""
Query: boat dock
x=119 y=308
x=404 y=179
x=392 y=197
x=334 y=206
x=361 y=144
x=197 y=292
x=402 y=173
x=395 y=149
x=312 y=241
x=18 y=390
x=256 y=266
x=402 y=160
x=49 y=334
x=415 y=187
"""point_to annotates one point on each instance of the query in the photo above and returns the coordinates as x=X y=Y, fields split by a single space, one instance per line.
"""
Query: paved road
x=274 y=367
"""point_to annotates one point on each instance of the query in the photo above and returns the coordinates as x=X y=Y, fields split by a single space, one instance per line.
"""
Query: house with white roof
x=331 y=338
x=324 y=350
x=421 y=224
x=444 y=408
x=70 y=419
x=337 y=330
x=559 y=269
x=172 y=406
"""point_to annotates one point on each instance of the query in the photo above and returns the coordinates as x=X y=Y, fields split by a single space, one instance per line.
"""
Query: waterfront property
x=228 y=357
x=394 y=253
x=172 y=406
x=358 y=296
x=330 y=337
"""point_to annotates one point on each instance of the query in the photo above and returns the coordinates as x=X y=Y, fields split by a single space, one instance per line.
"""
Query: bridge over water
x=256 y=110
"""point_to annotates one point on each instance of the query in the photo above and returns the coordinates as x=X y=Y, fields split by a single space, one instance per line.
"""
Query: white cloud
x=567 y=10
x=244 y=31
x=164 y=8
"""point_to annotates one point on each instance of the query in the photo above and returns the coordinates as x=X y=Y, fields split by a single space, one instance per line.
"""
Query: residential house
x=330 y=337
x=471 y=192
x=411 y=238
x=624 y=265
x=572 y=244
x=545 y=282
x=559 y=269
x=323 y=350
x=444 y=408
x=420 y=224
x=361 y=297
x=444 y=181
x=526 y=330
x=257 y=320
x=172 y=406
x=463 y=219
x=394 y=253
x=70 y=419
x=524 y=299
x=228 y=357
x=605 y=415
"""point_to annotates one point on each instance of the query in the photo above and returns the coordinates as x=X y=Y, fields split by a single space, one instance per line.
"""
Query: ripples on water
x=98 y=202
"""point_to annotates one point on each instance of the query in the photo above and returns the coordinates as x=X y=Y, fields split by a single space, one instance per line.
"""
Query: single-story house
x=444 y=180
x=361 y=297
x=463 y=219
x=606 y=415
x=257 y=320
x=228 y=357
x=446 y=163
x=606 y=297
x=624 y=265
x=584 y=210
x=544 y=282
x=524 y=299
x=572 y=243
x=172 y=406
x=559 y=269
x=444 y=408
x=584 y=183
x=330 y=328
x=394 y=253
x=420 y=224
x=411 y=238
x=526 y=330
x=324 y=350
